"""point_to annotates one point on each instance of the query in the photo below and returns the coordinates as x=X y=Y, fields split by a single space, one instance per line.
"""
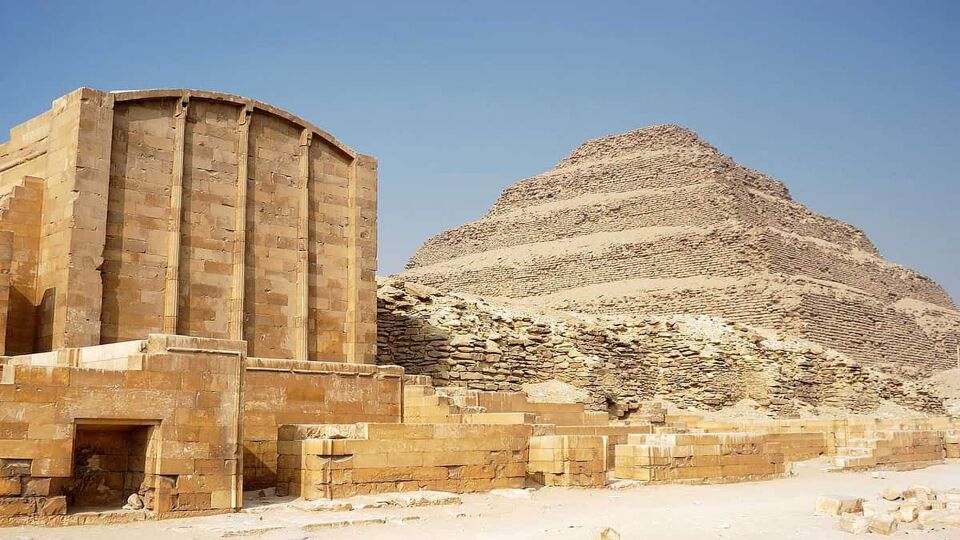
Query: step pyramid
x=658 y=221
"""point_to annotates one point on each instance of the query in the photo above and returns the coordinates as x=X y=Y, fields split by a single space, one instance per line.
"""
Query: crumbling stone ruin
x=623 y=362
x=658 y=222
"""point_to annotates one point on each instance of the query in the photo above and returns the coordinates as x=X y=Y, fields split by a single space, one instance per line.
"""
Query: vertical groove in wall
x=303 y=248
x=240 y=243
x=171 y=290
x=353 y=266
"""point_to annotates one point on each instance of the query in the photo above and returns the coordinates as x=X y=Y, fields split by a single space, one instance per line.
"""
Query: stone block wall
x=162 y=423
x=563 y=414
x=897 y=450
x=951 y=441
x=192 y=213
x=334 y=461
x=699 y=458
x=612 y=434
x=279 y=392
x=799 y=439
x=20 y=212
x=568 y=460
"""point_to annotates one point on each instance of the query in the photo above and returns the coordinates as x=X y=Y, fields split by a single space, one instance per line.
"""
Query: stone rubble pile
x=623 y=362
x=916 y=508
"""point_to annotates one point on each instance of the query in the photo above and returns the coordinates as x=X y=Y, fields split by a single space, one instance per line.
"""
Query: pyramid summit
x=658 y=221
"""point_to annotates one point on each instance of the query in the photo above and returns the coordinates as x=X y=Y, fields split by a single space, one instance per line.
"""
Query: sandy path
x=780 y=509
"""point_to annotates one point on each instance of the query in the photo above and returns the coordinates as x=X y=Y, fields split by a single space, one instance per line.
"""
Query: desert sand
x=761 y=510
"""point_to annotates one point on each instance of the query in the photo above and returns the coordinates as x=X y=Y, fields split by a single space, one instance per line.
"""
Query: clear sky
x=855 y=105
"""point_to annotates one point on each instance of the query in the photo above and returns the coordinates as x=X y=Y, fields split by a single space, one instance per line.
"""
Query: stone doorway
x=109 y=463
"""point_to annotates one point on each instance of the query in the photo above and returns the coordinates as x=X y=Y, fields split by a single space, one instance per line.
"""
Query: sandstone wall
x=194 y=213
x=335 y=461
x=278 y=392
x=622 y=362
x=20 y=212
x=184 y=392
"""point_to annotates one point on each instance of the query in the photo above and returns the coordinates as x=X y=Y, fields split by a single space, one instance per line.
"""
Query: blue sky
x=855 y=105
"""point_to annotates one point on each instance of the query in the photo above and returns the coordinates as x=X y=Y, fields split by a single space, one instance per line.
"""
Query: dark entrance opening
x=109 y=462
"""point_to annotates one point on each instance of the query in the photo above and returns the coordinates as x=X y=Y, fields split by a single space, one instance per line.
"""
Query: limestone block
x=836 y=505
x=854 y=523
x=884 y=523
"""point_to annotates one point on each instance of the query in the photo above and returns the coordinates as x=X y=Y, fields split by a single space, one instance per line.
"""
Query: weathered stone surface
x=185 y=212
x=54 y=506
x=883 y=524
x=656 y=221
x=855 y=524
x=907 y=513
x=623 y=362
x=835 y=505
x=10 y=486
x=939 y=518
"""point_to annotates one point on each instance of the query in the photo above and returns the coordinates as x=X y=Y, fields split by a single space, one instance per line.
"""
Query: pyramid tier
x=731 y=250
x=657 y=220
x=699 y=205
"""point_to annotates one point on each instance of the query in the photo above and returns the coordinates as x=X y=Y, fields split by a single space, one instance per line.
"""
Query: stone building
x=181 y=272
x=658 y=222
x=186 y=212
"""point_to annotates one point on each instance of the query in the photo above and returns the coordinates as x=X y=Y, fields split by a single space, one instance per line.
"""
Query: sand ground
x=780 y=509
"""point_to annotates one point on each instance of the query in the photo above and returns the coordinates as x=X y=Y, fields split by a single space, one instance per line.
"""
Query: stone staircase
x=424 y=403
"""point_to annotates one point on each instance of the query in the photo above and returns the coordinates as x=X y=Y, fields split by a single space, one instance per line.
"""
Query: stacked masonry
x=622 y=362
x=157 y=418
x=657 y=221
x=149 y=242
x=699 y=458
x=800 y=439
x=569 y=460
x=186 y=212
x=331 y=461
x=897 y=450
x=951 y=442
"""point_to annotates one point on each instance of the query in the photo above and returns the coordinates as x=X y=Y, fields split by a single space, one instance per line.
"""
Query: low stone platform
x=699 y=458
x=897 y=450
x=569 y=460
x=332 y=461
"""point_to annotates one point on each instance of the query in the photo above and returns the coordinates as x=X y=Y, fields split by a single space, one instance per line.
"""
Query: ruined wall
x=200 y=214
x=902 y=336
x=189 y=388
x=658 y=221
x=278 y=392
x=691 y=361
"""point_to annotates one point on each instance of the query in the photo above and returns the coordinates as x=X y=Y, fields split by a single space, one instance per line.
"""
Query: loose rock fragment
x=836 y=505
x=883 y=524
x=855 y=524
